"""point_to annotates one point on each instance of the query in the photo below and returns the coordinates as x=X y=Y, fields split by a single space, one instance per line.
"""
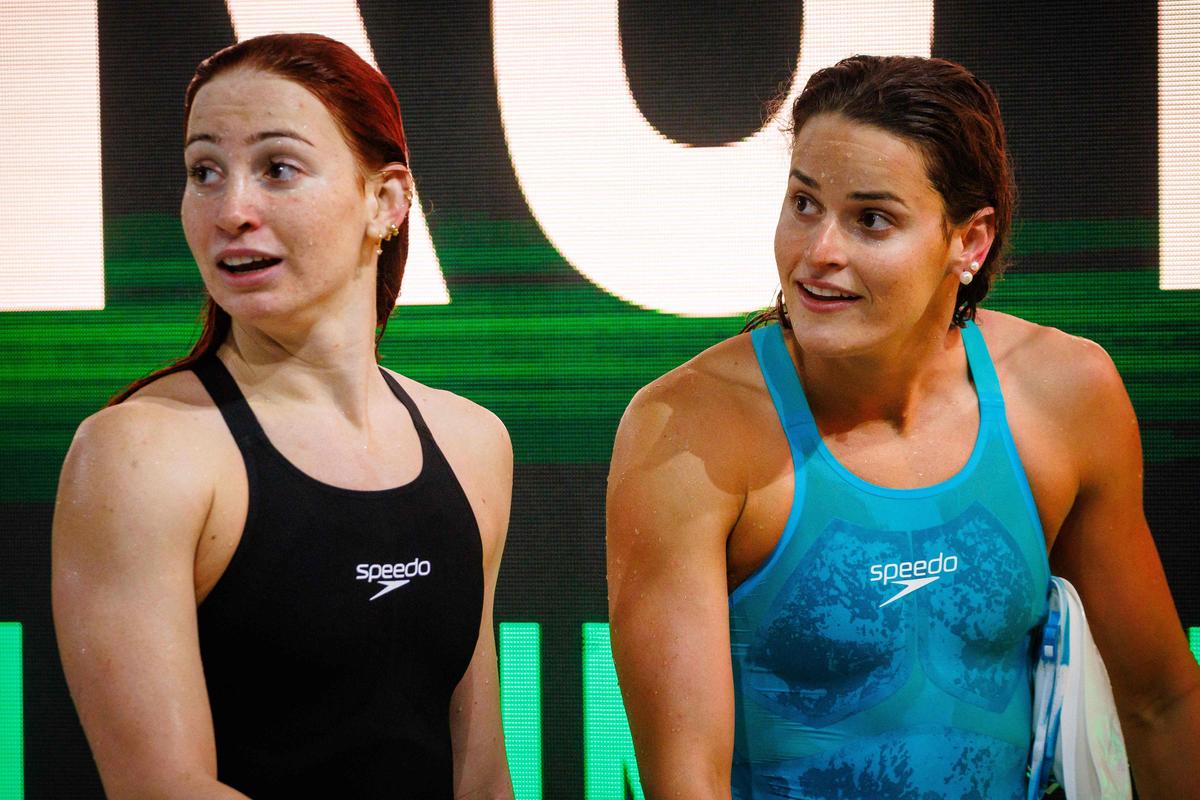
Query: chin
x=254 y=309
x=834 y=339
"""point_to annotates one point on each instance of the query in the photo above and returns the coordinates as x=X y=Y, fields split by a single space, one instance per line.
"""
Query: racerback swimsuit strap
x=244 y=425
x=228 y=397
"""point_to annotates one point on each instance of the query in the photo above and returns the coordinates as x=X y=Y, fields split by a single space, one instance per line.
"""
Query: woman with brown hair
x=830 y=538
x=274 y=561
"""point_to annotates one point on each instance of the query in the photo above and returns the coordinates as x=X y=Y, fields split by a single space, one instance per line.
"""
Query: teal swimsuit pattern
x=885 y=647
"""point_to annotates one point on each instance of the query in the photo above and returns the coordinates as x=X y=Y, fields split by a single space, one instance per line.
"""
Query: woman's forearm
x=1164 y=748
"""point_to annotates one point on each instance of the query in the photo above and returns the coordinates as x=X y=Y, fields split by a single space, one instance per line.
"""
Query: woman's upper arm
x=672 y=500
x=485 y=467
x=1106 y=550
x=128 y=515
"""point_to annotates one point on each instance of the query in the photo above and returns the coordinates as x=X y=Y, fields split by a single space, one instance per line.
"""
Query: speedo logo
x=392 y=576
x=913 y=575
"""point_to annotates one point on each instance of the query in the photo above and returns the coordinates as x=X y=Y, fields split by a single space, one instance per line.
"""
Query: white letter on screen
x=51 y=231
x=341 y=20
x=686 y=230
x=1178 y=145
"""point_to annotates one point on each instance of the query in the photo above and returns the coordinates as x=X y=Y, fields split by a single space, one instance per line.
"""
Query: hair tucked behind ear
x=954 y=119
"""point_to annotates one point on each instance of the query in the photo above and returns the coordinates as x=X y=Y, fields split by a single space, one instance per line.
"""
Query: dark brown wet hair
x=952 y=117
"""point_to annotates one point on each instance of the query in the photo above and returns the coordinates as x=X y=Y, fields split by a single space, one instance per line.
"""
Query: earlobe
x=976 y=238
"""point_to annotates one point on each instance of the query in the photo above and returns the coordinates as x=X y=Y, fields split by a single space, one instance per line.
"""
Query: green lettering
x=609 y=765
x=12 y=736
x=520 y=655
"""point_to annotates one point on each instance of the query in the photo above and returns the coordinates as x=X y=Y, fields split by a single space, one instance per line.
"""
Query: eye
x=201 y=175
x=281 y=171
x=803 y=203
x=874 y=221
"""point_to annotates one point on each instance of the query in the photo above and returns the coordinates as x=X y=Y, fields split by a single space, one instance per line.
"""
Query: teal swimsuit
x=884 y=649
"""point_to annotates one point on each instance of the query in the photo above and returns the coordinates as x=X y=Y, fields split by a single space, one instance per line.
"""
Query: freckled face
x=861 y=247
x=274 y=211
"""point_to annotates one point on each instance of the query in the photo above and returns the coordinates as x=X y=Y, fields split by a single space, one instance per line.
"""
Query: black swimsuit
x=344 y=621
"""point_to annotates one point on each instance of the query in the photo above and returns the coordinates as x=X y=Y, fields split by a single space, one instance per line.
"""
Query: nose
x=827 y=248
x=239 y=210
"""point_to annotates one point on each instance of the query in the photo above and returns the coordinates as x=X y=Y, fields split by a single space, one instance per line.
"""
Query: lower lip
x=811 y=302
x=248 y=280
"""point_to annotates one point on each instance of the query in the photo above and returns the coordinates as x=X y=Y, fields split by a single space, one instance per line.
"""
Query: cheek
x=325 y=235
x=788 y=244
x=317 y=219
x=191 y=216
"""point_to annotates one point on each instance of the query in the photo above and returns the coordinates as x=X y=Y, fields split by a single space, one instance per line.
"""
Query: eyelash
x=199 y=172
x=800 y=198
x=196 y=173
x=876 y=215
x=280 y=164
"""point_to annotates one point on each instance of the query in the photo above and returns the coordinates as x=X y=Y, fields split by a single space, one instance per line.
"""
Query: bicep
x=667 y=525
x=1106 y=550
x=123 y=545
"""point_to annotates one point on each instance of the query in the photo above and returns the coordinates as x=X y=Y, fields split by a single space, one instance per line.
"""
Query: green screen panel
x=609 y=766
x=12 y=739
x=519 y=649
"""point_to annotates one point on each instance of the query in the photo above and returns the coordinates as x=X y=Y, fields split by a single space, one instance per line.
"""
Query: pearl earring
x=968 y=274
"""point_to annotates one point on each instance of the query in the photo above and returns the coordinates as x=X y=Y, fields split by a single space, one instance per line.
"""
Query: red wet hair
x=363 y=105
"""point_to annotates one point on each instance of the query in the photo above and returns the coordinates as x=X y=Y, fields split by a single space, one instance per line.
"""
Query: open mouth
x=821 y=294
x=247 y=264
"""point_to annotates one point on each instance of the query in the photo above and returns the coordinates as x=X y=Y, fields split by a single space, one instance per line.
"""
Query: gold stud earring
x=392 y=231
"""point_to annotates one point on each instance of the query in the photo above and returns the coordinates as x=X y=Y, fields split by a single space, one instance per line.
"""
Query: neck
x=331 y=363
x=887 y=385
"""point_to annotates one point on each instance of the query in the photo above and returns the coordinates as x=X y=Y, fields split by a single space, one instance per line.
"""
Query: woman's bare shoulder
x=725 y=373
x=710 y=406
x=454 y=416
x=175 y=406
x=141 y=469
x=168 y=425
x=1046 y=361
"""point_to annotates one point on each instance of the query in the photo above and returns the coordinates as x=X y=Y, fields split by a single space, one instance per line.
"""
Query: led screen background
x=538 y=327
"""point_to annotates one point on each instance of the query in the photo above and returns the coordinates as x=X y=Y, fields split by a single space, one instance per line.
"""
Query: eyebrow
x=806 y=180
x=258 y=137
x=812 y=183
x=877 y=196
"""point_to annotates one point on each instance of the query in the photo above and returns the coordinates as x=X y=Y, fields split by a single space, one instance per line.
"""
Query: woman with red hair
x=274 y=561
